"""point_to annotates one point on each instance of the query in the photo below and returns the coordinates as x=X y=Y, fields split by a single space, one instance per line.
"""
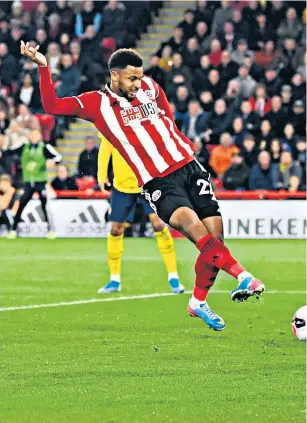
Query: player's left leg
x=41 y=188
x=122 y=204
x=166 y=247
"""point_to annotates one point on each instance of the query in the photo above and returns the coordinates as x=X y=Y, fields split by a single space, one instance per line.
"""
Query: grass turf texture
x=146 y=360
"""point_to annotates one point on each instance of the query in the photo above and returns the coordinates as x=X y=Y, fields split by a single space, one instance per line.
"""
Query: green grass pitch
x=146 y=360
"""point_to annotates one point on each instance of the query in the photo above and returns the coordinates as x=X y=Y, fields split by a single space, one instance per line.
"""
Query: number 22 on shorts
x=206 y=188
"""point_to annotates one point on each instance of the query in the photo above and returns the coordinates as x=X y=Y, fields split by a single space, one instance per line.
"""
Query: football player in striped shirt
x=125 y=194
x=133 y=113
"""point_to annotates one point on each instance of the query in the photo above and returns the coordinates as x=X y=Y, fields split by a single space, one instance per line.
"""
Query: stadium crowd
x=234 y=72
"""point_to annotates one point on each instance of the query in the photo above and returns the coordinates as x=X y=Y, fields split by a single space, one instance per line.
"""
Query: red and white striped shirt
x=142 y=130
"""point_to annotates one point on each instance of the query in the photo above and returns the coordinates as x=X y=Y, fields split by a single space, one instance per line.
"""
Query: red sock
x=205 y=278
x=214 y=253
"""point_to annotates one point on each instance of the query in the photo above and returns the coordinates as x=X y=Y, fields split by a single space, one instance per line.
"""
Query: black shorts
x=188 y=186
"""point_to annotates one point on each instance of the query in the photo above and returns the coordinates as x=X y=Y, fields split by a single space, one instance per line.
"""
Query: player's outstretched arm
x=67 y=106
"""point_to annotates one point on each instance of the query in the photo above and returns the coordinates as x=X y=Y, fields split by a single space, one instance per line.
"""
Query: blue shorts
x=123 y=206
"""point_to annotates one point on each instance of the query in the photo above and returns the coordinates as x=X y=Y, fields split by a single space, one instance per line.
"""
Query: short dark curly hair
x=125 y=57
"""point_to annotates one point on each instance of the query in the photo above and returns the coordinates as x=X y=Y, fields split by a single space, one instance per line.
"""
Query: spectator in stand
x=215 y=53
x=272 y=81
x=241 y=27
x=15 y=136
x=298 y=87
x=201 y=74
x=255 y=70
x=54 y=57
x=298 y=118
x=290 y=27
x=41 y=15
x=87 y=165
x=221 y=15
x=300 y=156
x=233 y=96
x=228 y=69
x=251 y=120
x=29 y=94
x=250 y=11
x=236 y=177
x=194 y=121
x=206 y=101
x=288 y=174
x=65 y=43
x=9 y=201
x=16 y=13
x=54 y=28
x=276 y=116
x=275 y=151
x=218 y=121
x=265 y=136
x=289 y=137
x=165 y=62
x=4 y=31
x=63 y=181
x=262 y=173
x=202 y=36
x=204 y=10
x=175 y=42
x=240 y=52
x=113 y=19
x=261 y=32
x=181 y=99
x=238 y=133
x=246 y=82
x=16 y=36
x=291 y=58
x=156 y=73
x=188 y=24
x=214 y=84
x=8 y=67
x=42 y=39
x=69 y=78
x=25 y=118
x=221 y=155
x=249 y=151
x=228 y=37
x=191 y=54
x=260 y=102
x=202 y=155
x=87 y=16
x=67 y=14
x=286 y=99
x=277 y=12
x=178 y=117
x=179 y=68
x=4 y=122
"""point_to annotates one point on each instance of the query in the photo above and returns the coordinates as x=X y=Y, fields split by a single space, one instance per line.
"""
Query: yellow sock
x=167 y=249
x=115 y=253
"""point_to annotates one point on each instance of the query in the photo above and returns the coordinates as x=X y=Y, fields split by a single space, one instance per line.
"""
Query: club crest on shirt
x=156 y=195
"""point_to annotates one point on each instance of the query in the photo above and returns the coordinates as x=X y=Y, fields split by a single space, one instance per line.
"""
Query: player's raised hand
x=33 y=54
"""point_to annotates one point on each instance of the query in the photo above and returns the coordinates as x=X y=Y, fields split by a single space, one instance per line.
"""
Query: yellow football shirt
x=124 y=178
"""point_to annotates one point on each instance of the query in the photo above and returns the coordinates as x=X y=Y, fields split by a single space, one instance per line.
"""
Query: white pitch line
x=130 y=297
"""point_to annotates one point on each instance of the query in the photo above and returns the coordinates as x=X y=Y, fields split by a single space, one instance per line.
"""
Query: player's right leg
x=121 y=205
x=25 y=198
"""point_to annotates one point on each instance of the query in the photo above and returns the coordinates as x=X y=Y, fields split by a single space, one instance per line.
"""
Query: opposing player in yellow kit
x=125 y=194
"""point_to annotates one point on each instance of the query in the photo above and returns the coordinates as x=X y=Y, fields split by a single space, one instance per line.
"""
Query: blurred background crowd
x=234 y=72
